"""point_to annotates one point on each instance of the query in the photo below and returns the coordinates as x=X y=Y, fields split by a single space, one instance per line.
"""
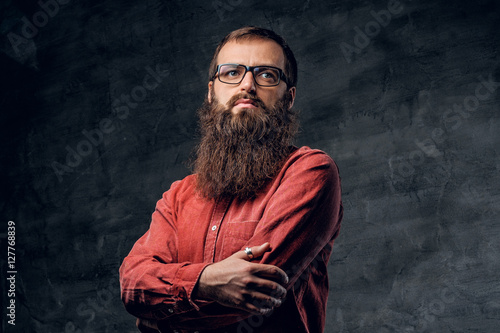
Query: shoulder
x=308 y=168
x=308 y=158
x=308 y=173
x=183 y=187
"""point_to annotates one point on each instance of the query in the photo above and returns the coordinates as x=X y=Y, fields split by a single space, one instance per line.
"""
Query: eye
x=230 y=72
x=268 y=75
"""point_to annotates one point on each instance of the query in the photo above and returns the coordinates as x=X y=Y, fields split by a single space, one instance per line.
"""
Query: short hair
x=251 y=32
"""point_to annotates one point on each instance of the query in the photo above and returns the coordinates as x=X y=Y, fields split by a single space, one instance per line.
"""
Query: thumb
x=257 y=251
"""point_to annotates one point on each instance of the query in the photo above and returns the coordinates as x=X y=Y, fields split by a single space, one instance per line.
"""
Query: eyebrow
x=260 y=65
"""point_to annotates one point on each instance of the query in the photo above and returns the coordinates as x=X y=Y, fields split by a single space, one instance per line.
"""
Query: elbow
x=130 y=295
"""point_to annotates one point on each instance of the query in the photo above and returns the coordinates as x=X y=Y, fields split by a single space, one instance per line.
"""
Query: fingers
x=261 y=303
x=267 y=287
x=237 y=282
x=271 y=272
x=257 y=251
x=260 y=295
x=263 y=270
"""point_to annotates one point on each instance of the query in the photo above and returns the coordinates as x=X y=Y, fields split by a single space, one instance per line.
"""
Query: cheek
x=222 y=95
x=271 y=98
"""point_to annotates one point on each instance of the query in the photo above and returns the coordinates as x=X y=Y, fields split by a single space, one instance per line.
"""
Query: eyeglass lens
x=264 y=76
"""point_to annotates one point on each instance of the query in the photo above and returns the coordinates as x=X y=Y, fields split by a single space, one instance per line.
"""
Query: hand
x=238 y=283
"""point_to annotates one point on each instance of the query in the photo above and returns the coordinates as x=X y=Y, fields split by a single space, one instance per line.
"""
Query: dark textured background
x=419 y=248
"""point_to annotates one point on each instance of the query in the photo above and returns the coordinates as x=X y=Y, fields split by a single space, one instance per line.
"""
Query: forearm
x=166 y=293
x=155 y=290
x=220 y=291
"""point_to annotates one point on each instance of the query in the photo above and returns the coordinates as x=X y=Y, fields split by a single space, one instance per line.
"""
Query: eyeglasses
x=264 y=76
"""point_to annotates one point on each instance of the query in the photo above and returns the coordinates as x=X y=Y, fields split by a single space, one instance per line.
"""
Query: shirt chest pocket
x=235 y=235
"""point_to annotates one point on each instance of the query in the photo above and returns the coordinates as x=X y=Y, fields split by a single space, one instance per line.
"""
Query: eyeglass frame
x=282 y=76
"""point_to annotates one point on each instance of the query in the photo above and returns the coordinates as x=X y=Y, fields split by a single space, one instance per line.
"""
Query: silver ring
x=249 y=253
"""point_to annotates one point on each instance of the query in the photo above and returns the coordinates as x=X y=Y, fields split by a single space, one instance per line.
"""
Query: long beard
x=239 y=153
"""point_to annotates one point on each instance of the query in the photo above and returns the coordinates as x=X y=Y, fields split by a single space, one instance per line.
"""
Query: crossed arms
x=301 y=219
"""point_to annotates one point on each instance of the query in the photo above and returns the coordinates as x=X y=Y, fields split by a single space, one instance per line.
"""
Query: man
x=243 y=244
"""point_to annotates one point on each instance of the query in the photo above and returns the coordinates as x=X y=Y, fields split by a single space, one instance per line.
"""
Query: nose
x=248 y=83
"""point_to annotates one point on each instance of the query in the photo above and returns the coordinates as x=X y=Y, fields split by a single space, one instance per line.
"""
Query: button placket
x=220 y=208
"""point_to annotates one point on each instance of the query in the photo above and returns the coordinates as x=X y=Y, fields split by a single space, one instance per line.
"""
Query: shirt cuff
x=188 y=277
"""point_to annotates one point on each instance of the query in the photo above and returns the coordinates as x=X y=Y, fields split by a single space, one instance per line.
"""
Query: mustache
x=256 y=100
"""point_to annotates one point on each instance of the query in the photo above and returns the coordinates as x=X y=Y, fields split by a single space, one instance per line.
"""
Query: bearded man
x=243 y=244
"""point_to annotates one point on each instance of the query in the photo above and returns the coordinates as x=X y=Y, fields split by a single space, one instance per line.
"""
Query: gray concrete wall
x=399 y=94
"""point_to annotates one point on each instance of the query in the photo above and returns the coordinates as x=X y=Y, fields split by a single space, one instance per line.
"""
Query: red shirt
x=298 y=213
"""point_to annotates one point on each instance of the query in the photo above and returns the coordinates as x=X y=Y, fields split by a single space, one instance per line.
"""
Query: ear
x=210 y=87
x=292 y=93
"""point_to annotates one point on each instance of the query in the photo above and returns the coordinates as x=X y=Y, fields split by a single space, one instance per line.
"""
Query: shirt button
x=213 y=229
x=171 y=310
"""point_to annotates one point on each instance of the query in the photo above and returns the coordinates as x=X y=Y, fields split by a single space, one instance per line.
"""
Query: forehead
x=252 y=52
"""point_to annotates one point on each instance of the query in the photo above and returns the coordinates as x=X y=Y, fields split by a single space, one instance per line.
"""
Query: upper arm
x=303 y=216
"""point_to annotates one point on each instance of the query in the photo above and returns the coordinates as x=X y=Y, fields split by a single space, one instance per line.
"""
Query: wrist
x=201 y=288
